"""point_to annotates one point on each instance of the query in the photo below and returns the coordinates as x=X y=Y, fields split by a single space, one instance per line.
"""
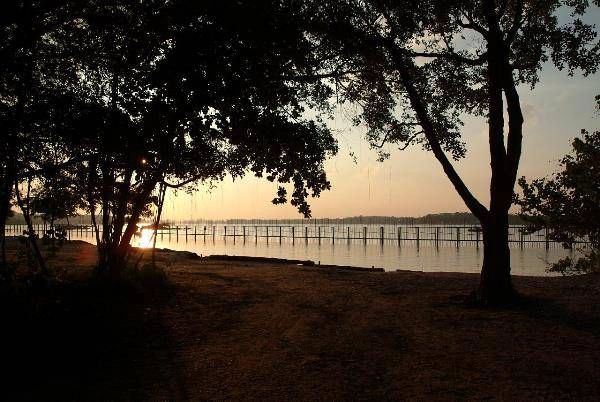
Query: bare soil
x=249 y=330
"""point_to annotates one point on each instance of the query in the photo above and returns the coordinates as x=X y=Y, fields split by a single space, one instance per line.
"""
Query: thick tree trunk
x=495 y=286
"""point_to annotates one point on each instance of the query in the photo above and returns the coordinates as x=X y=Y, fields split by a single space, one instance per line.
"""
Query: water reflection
x=390 y=255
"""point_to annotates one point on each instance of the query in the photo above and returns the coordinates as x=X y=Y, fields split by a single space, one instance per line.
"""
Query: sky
x=411 y=182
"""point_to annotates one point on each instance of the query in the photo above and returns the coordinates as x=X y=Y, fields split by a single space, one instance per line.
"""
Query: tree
x=568 y=204
x=29 y=95
x=153 y=121
x=55 y=197
x=416 y=68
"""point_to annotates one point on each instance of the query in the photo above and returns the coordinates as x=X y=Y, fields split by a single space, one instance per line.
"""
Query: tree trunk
x=161 y=200
x=116 y=253
x=5 y=198
x=495 y=286
x=37 y=253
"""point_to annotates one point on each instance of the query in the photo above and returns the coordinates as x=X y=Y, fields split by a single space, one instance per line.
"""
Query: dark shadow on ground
x=61 y=342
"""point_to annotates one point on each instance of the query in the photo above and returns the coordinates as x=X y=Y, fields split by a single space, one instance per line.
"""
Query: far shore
x=239 y=328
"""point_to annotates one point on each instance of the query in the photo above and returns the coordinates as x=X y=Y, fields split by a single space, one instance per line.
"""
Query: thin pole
x=457 y=237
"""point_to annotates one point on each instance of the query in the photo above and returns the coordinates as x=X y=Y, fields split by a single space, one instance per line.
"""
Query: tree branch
x=452 y=56
x=317 y=76
x=517 y=21
x=430 y=133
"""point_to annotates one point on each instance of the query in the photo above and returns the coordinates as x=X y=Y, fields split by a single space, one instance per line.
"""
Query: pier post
x=204 y=233
x=477 y=237
x=279 y=234
x=457 y=237
x=365 y=234
x=348 y=234
x=244 y=233
x=234 y=234
x=521 y=240
x=306 y=234
x=319 y=234
x=293 y=236
x=399 y=235
x=213 y=233
x=333 y=235
x=381 y=234
x=186 y=233
x=267 y=235
x=547 y=240
x=418 y=235
x=255 y=234
x=225 y=234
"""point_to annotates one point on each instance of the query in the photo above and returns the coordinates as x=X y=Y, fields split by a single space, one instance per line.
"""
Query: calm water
x=530 y=260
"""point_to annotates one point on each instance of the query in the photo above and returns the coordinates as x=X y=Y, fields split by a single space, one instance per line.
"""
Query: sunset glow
x=146 y=238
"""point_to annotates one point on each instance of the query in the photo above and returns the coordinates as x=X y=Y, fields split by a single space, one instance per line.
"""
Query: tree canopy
x=149 y=95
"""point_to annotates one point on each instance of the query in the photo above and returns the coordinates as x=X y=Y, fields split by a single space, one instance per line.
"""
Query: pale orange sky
x=411 y=182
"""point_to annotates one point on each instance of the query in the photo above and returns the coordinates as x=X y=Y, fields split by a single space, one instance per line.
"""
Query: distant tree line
x=449 y=218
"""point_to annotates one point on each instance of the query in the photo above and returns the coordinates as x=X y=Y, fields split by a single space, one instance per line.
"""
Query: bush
x=588 y=264
x=152 y=276
x=135 y=278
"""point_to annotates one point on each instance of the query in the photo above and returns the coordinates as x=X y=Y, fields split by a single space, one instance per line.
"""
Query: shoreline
x=276 y=260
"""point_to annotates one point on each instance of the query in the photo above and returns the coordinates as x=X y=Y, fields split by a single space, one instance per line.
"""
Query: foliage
x=568 y=203
x=99 y=88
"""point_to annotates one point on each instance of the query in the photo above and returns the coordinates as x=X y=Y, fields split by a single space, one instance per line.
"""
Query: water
x=445 y=257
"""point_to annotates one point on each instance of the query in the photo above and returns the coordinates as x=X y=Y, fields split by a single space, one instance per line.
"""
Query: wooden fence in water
x=400 y=234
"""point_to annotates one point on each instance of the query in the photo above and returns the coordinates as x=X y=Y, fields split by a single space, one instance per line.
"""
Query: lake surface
x=390 y=255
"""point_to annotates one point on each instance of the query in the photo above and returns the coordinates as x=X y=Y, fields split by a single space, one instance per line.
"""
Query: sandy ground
x=244 y=330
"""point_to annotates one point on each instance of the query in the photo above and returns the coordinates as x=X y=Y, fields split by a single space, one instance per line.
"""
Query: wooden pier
x=383 y=234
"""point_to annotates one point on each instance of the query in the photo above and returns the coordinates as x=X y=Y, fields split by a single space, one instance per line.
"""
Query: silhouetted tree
x=31 y=77
x=417 y=67
x=568 y=204
x=55 y=197
x=185 y=92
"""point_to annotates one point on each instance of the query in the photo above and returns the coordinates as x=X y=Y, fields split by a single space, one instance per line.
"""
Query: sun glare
x=146 y=238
